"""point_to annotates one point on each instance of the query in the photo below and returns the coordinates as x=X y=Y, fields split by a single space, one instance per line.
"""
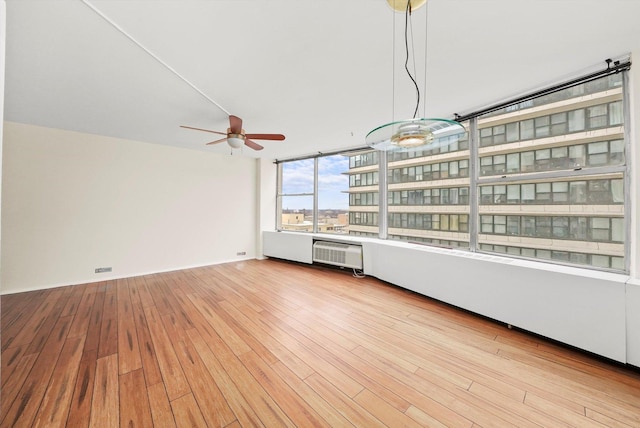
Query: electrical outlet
x=103 y=269
x=241 y=253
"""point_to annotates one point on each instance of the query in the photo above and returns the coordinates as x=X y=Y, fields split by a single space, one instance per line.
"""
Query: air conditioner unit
x=338 y=254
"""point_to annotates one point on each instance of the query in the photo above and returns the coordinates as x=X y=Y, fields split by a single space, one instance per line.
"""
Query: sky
x=297 y=177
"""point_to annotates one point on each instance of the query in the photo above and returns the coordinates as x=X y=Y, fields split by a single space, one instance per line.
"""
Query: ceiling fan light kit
x=236 y=136
x=235 y=140
x=416 y=133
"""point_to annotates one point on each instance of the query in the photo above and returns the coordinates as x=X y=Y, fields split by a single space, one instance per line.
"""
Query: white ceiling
x=318 y=71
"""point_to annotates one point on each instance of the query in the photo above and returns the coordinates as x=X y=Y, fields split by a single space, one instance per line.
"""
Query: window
x=579 y=202
x=550 y=184
x=296 y=195
x=428 y=199
x=335 y=179
x=333 y=201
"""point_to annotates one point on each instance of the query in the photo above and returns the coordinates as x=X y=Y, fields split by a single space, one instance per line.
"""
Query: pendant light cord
x=406 y=61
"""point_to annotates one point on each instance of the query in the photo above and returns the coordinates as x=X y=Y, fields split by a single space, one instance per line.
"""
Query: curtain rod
x=319 y=154
x=616 y=68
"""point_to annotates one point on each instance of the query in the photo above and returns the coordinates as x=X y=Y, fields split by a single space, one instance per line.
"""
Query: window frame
x=568 y=171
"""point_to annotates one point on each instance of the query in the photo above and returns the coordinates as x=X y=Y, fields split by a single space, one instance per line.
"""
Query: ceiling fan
x=236 y=136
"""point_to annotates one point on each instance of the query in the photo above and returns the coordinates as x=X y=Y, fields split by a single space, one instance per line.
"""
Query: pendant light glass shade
x=412 y=134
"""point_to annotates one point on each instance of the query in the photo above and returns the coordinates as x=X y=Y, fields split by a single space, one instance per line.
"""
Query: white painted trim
x=115 y=277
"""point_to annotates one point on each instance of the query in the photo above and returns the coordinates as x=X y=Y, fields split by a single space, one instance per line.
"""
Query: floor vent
x=338 y=254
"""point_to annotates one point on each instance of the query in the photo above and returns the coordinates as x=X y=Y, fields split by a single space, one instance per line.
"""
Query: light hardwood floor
x=269 y=343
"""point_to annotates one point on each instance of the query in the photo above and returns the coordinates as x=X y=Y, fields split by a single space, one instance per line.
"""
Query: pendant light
x=416 y=133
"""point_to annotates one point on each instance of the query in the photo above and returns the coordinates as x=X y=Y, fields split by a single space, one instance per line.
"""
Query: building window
x=591 y=192
x=600 y=153
x=600 y=229
x=555 y=124
x=363 y=159
x=439 y=222
x=436 y=196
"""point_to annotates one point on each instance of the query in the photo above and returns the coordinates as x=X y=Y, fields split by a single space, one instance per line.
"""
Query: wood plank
x=590 y=385
x=235 y=399
x=605 y=420
x=343 y=404
x=259 y=399
x=320 y=405
x=172 y=374
x=516 y=407
x=95 y=320
x=387 y=414
x=40 y=337
x=54 y=408
x=186 y=412
x=148 y=356
x=13 y=383
x=134 y=291
x=16 y=308
x=286 y=398
x=211 y=401
x=108 y=343
x=82 y=318
x=248 y=330
x=563 y=414
x=277 y=350
x=347 y=363
x=326 y=364
x=160 y=408
x=10 y=360
x=80 y=410
x=37 y=329
x=444 y=394
x=27 y=401
x=424 y=419
x=129 y=358
x=134 y=401
x=158 y=291
x=105 y=408
x=210 y=311
x=143 y=291
x=72 y=305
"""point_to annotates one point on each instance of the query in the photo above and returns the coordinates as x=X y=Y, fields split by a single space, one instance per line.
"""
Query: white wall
x=74 y=202
x=3 y=36
x=633 y=286
x=267 y=187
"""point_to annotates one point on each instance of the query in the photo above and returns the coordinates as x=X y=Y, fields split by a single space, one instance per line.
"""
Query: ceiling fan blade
x=235 y=124
x=253 y=144
x=217 y=141
x=266 y=136
x=205 y=130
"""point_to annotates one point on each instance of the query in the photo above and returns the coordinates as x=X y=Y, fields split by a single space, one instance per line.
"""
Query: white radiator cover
x=338 y=254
